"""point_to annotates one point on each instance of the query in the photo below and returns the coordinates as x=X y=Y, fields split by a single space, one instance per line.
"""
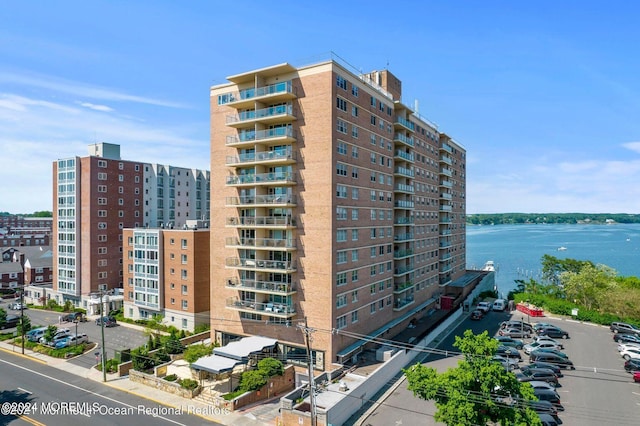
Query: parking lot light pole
x=75 y=320
x=104 y=354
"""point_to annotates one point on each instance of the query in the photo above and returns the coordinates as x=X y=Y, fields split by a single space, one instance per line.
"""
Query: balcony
x=401 y=303
x=267 y=308
x=403 y=171
x=403 y=155
x=407 y=140
x=262 y=222
x=403 y=204
x=262 y=200
x=252 y=137
x=400 y=254
x=446 y=183
x=246 y=97
x=260 y=243
x=277 y=178
x=401 y=187
x=403 y=270
x=271 y=115
x=446 y=171
x=266 y=287
x=446 y=148
x=403 y=220
x=399 y=287
x=445 y=208
x=403 y=237
x=446 y=196
x=267 y=157
x=403 y=122
x=445 y=267
x=276 y=266
x=446 y=159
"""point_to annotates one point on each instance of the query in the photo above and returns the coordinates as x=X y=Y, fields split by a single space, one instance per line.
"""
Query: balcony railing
x=446 y=159
x=261 y=199
x=403 y=171
x=262 y=178
x=260 y=242
x=401 y=270
x=260 y=286
x=259 y=157
x=401 y=187
x=399 y=137
x=267 y=308
x=261 y=114
x=403 y=302
x=403 y=220
x=446 y=171
x=446 y=183
x=446 y=147
x=402 y=286
x=403 y=237
x=404 y=155
x=283 y=87
x=262 y=221
x=262 y=135
x=403 y=204
x=405 y=123
x=398 y=254
x=259 y=264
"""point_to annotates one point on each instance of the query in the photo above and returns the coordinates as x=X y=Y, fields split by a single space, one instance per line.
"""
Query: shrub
x=189 y=384
x=195 y=352
x=201 y=328
x=173 y=345
x=271 y=367
x=171 y=378
x=252 y=380
x=488 y=294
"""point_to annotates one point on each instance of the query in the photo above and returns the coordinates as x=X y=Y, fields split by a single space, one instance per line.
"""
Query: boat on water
x=489 y=266
x=563 y=248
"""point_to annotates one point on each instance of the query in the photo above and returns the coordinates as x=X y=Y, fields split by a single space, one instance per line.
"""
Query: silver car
x=543 y=344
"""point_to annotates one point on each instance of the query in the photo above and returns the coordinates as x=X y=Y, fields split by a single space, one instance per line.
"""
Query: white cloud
x=95 y=107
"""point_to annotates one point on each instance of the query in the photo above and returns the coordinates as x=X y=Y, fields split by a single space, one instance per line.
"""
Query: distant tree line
x=43 y=213
x=540 y=218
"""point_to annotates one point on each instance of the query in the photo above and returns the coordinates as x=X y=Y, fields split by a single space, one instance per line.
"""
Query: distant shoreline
x=552 y=218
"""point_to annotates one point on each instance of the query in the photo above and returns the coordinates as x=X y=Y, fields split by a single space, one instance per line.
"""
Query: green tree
x=589 y=285
x=271 y=367
x=173 y=345
x=3 y=317
x=50 y=332
x=478 y=391
x=252 y=380
x=195 y=352
x=24 y=325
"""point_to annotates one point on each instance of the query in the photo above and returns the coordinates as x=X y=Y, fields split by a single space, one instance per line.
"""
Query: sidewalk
x=251 y=416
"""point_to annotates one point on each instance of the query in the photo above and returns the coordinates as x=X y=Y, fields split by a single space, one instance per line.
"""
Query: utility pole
x=104 y=352
x=22 y=317
x=312 y=384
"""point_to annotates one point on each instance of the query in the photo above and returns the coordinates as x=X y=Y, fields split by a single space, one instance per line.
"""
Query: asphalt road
x=54 y=397
x=597 y=392
x=116 y=338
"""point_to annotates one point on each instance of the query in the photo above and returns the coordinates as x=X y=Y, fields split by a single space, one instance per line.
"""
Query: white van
x=499 y=305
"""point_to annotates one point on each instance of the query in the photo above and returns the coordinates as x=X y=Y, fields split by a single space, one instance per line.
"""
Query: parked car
x=632 y=365
x=549 y=395
x=36 y=334
x=514 y=332
x=540 y=325
x=72 y=340
x=509 y=341
x=626 y=338
x=553 y=332
x=10 y=322
x=636 y=376
x=477 y=314
x=17 y=306
x=509 y=364
x=630 y=353
x=544 y=338
x=517 y=324
x=550 y=358
x=551 y=351
x=543 y=344
x=108 y=321
x=549 y=419
x=540 y=374
x=624 y=346
x=553 y=367
x=61 y=333
x=623 y=327
x=508 y=352
x=484 y=306
x=541 y=384
x=499 y=305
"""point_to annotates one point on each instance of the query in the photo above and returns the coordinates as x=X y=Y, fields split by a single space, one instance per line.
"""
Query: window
x=354 y=111
x=341 y=82
x=354 y=131
x=341 y=104
x=341 y=213
x=355 y=214
x=354 y=235
x=354 y=255
x=183 y=243
x=341 y=126
x=342 y=148
x=183 y=274
x=341 y=235
x=185 y=305
x=372 y=251
x=373 y=120
x=342 y=257
x=354 y=172
x=372 y=308
x=372 y=196
x=373 y=101
x=184 y=323
x=372 y=270
x=372 y=289
x=354 y=316
x=341 y=322
x=184 y=289
x=373 y=214
x=341 y=300
x=121 y=178
x=102 y=188
x=102 y=176
x=102 y=213
x=341 y=169
x=341 y=191
x=102 y=163
x=354 y=151
x=102 y=225
x=354 y=90
x=355 y=192
x=373 y=158
x=341 y=278
x=372 y=178
x=102 y=201
x=173 y=301
x=354 y=296
x=183 y=258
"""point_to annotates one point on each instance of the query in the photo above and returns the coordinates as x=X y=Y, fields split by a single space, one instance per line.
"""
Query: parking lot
x=598 y=392
x=116 y=338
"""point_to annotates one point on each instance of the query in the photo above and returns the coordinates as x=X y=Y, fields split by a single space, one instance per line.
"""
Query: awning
x=241 y=349
x=215 y=364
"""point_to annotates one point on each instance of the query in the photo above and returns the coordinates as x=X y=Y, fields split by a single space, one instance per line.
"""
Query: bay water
x=517 y=250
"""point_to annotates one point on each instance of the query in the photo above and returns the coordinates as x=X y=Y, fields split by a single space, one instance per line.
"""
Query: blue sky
x=545 y=96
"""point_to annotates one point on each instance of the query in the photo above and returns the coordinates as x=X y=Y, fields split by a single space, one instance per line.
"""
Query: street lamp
x=75 y=321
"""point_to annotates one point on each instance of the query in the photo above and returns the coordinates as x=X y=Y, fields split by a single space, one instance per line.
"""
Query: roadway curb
x=29 y=357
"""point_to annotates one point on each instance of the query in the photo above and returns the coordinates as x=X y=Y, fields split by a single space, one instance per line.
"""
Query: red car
x=636 y=376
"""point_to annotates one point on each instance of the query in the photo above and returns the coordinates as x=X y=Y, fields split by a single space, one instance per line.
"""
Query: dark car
x=477 y=314
x=549 y=395
x=517 y=324
x=551 y=358
x=509 y=341
x=551 y=351
x=10 y=322
x=542 y=374
x=508 y=352
x=108 y=321
x=549 y=419
x=626 y=338
x=73 y=317
x=632 y=364
x=623 y=327
x=553 y=367
x=554 y=332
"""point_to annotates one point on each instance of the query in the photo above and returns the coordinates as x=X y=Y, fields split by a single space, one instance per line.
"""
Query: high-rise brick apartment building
x=333 y=201
x=95 y=198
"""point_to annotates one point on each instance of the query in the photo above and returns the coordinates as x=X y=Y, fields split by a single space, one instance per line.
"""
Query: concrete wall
x=274 y=387
x=163 y=385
